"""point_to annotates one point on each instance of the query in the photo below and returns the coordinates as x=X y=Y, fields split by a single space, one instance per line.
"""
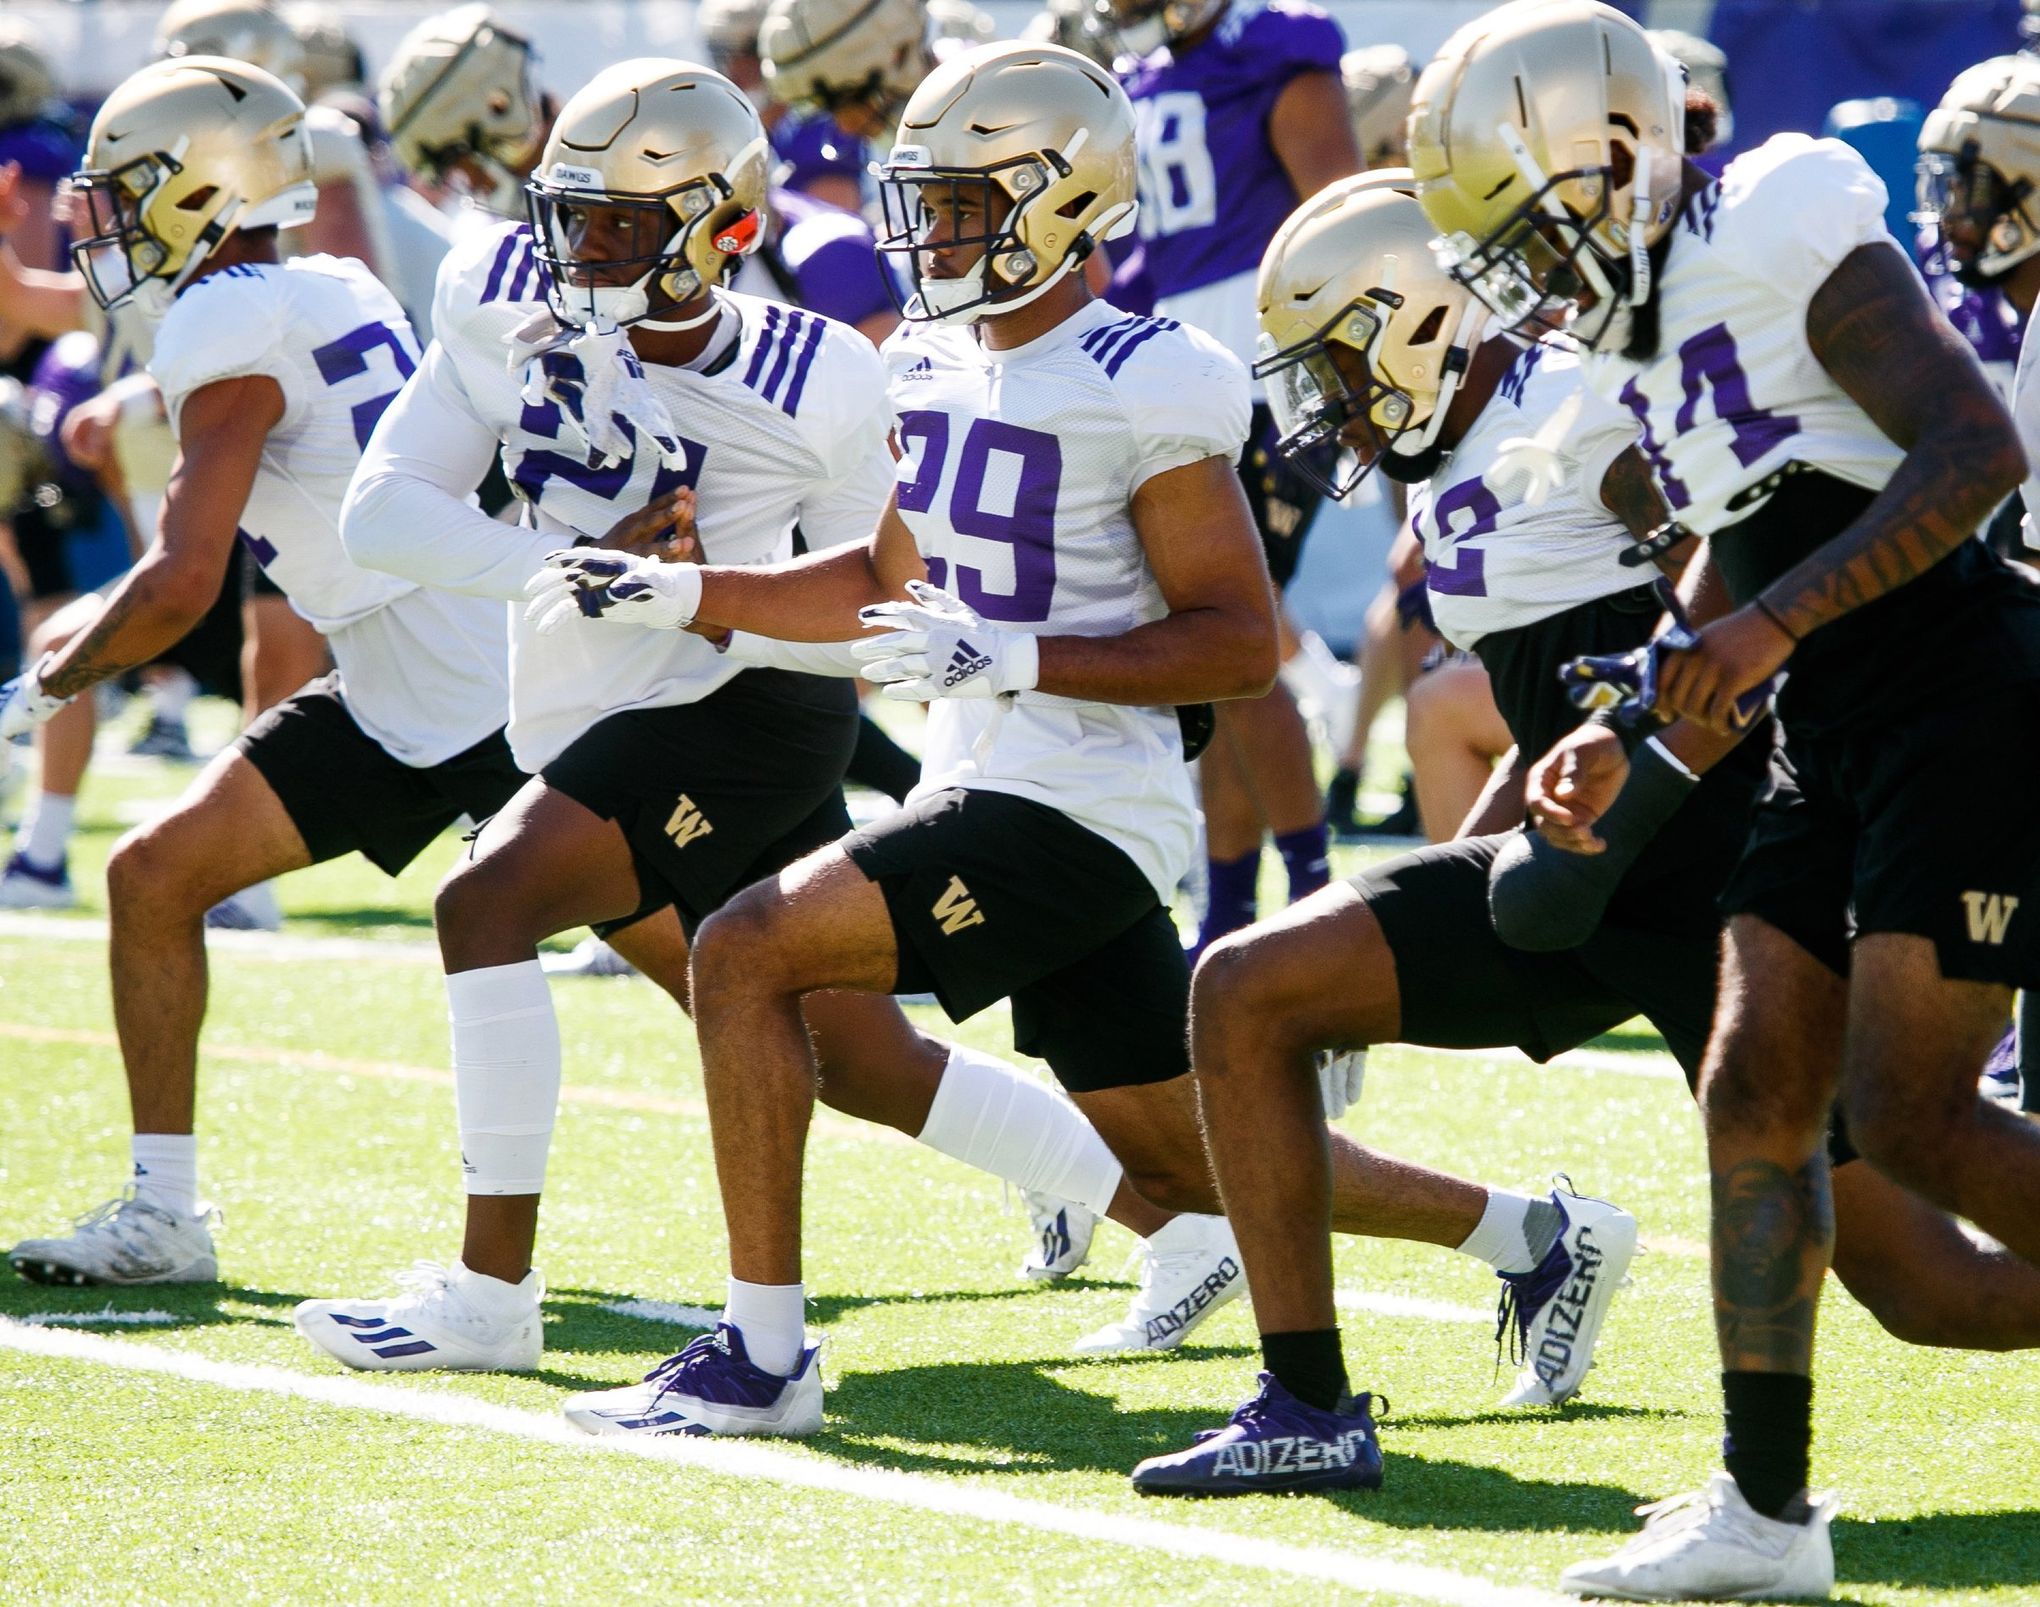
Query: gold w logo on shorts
x=956 y=909
x=1989 y=915
x=687 y=823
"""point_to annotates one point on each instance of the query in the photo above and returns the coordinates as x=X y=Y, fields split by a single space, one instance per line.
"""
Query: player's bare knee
x=739 y=947
x=153 y=870
x=1172 y=1187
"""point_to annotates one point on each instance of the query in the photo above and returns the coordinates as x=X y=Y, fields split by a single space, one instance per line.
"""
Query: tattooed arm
x=221 y=432
x=1872 y=320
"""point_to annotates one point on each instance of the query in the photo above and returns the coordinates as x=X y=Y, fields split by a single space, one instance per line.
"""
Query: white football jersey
x=1735 y=391
x=783 y=423
x=422 y=676
x=1017 y=476
x=2026 y=415
x=1505 y=545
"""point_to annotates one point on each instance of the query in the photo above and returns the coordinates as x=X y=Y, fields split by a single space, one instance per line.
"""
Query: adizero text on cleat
x=1274 y=1445
x=1551 y=1316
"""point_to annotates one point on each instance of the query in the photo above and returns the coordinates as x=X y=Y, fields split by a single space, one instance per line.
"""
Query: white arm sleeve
x=810 y=658
x=407 y=511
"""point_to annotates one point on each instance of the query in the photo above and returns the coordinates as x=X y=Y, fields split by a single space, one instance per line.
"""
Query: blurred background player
x=1242 y=114
x=815 y=156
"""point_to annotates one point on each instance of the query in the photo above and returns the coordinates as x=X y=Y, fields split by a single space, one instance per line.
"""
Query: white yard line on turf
x=42 y=1319
x=1380 y=1305
x=739 y=1459
x=663 y=1311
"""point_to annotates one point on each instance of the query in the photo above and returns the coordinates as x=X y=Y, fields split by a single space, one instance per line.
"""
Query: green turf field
x=210 y=1455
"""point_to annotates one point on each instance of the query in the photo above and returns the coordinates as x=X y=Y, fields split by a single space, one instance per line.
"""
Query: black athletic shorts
x=255 y=581
x=345 y=793
x=210 y=652
x=716 y=794
x=1463 y=988
x=1284 y=502
x=995 y=897
x=1929 y=827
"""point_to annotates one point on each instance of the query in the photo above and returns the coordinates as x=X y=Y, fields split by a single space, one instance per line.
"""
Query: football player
x=1242 y=115
x=1754 y=325
x=628 y=398
x=1369 y=342
x=817 y=158
x=273 y=375
x=857 y=61
x=461 y=103
x=1979 y=161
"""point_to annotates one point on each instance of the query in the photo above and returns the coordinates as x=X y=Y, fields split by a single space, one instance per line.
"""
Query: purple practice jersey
x=832 y=258
x=1985 y=318
x=1212 y=192
x=810 y=146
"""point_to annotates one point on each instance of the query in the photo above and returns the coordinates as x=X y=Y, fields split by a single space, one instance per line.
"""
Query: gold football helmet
x=461 y=92
x=1547 y=143
x=254 y=31
x=1380 y=80
x=651 y=186
x=1979 y=164
x=26 y=83
x=1137 y=27
x=1023 y=151
x=181 y=155
x=332 y=60
x=858 y=60
x=729 y=28
x=1068 y=23
x=1364 y=339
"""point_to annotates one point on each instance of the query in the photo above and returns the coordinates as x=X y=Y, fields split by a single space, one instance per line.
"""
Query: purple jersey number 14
x=1709 y=365
x=1028 y=530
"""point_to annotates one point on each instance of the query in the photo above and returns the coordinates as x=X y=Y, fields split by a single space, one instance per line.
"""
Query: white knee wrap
x=992 y=1116
x=506 y=1075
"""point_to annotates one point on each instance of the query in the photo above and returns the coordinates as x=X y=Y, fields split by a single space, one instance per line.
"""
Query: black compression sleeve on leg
x=1769 y=1442
x=1543 y=898
x=881 y=763
x=1308 y=1364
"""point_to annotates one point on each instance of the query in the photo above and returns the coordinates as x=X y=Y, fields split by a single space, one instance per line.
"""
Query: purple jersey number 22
x=1029 y=529
x=348 y=356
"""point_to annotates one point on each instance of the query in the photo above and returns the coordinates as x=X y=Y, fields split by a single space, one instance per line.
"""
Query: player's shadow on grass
x=1940 y=1551
x=1033 y=1422
x=578 y=1319
x=189 y=1305
x=348 y=922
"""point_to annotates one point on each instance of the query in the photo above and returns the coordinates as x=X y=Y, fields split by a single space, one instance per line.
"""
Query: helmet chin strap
x=675 y=325
x=1466 y=339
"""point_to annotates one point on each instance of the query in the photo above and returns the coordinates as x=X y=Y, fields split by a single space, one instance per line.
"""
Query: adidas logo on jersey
x=1289 y=1453
x=687 y=823
x=1568 y=1310
x=921 y=370
x=1990 y=914
x=1178 y=1316
x=965 y=662
x=956 y=909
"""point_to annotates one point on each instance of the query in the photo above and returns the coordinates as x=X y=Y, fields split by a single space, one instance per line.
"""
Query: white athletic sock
x=45 y=834
x=166 y=1170
x=772 y=1317
x=992 y=1116
x=506 y=1075
x=492 y=1297
x=1507 y=1225
x=170 y=693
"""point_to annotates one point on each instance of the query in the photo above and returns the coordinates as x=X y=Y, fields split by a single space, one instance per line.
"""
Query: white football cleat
x=126 y=1241
x=448 y=1318
x=1558 y=1307
x=589 y=957
x=1062 y=1237
x=25 y=885
x=1188 y=1270
x=1711 y=1546
x=253 y=909
x=711 y=1387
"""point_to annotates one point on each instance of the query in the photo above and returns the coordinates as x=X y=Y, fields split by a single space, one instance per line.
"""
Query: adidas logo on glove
x=965 y=662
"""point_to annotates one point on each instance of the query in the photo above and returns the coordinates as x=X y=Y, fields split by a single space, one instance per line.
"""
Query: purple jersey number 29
x=1029 y=466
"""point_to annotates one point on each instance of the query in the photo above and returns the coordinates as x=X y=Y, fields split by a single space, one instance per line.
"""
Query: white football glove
x=938 y=646
x=618 y=588
x=1340 y=1073
x=24 y=705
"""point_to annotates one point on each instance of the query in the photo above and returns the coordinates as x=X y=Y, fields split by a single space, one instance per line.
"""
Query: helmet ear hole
x=1621 y=163
x=1432 y=328
x=1076 y=206
x=198 y=200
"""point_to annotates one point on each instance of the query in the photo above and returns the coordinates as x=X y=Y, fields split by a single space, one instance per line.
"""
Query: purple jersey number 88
x=1029 y=529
